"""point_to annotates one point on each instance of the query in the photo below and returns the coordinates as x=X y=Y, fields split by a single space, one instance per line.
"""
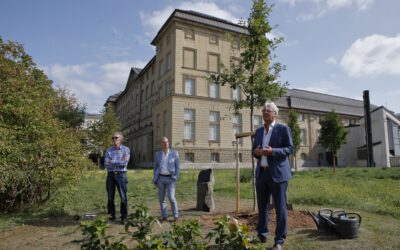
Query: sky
x=337 y=47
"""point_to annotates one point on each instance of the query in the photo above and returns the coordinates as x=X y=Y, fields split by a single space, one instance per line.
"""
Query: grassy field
x=372 y=192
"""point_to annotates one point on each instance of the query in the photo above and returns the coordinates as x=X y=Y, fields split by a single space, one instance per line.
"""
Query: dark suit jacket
x=282 y=146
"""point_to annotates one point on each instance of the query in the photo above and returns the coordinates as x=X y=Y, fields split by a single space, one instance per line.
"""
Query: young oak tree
x=293 y=124
x=68 y=109
x=332 y=135
x=252 y=73
x=100 y=132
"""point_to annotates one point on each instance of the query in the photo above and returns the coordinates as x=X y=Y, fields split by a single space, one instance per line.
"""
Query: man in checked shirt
x=116 y=160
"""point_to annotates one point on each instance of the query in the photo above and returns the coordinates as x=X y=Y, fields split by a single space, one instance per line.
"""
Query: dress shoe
x=277 y=247
x=164 y=219
x=262 y=238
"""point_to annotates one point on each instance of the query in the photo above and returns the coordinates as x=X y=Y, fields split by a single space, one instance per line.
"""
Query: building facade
x=171 y=96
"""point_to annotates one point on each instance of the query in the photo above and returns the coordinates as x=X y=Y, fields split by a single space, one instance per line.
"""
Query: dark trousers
x=266 y=187
x=119 y=180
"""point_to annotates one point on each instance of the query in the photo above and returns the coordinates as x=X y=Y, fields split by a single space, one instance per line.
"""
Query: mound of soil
x=296 y=219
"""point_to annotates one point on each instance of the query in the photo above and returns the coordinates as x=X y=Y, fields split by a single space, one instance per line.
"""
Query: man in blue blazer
x=272 y=145
x=166 y=173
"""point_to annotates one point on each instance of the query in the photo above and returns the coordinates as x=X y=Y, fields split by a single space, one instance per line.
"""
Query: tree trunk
x=253 y=169
x=334 y=163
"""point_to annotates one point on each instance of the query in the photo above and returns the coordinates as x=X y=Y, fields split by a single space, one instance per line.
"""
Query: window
x=214 y=157
x=236 y=94
x=213 y=39
x=303 y=156
x=189 y=86
x=147 y=92
x=257 y=122
x=161 y=68
x=159 y=92
x=166 y=88
x=189 y=58
x=158 y=126
x=189 y=157
x=152 y=88
x=214 y=90
x=165 y=123
x=189 y=124
x=318 y=132
x=214 y=126
x=300 y=117
x=189 y=34
x=237 y=126
x=168 y=62
x=213 y=62
x=240 y=157
x=142 y=95
x=303 y=137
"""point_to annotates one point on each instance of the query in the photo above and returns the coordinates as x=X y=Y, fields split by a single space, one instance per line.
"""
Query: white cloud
x=331 y=60
x=323 y=86
x=155 y=19
x=373 y=55
x=319 y=8
x=92 y=83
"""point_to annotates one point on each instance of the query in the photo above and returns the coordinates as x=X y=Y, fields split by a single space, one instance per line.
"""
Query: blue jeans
x=266 y=187
x=119 y=180
x=166 y=186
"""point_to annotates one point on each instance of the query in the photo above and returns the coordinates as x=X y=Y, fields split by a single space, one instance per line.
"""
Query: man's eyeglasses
x=114 y=138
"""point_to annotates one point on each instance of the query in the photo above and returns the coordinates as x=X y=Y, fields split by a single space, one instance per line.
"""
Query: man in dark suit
x=272 y=145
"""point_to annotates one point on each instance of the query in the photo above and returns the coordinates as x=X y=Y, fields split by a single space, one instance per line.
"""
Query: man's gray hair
x=272 y=106
x=119 y=134
x=163 y=138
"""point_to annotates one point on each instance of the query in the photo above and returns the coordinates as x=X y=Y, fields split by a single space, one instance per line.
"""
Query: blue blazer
x=282 y=146
x=173 y=165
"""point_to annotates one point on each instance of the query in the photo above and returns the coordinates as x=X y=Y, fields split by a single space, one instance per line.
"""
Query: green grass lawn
x=372 y=192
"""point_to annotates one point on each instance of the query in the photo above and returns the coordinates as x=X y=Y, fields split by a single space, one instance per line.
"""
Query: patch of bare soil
x=296 y=220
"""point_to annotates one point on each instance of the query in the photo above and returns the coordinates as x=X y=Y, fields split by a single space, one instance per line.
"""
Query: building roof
x=112 y=98
x=200 y=18
x=313 y=101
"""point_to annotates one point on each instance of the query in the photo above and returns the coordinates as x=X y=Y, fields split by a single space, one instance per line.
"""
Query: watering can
x=344 y=224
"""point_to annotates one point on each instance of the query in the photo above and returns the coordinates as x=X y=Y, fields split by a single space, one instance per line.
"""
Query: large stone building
x=171 y=96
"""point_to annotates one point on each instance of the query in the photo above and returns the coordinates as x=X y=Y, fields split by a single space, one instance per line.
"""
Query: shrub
x=38 y=153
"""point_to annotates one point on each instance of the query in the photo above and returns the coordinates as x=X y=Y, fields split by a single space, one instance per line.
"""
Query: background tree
x=39 y=155
x=100 y=132
x=332 y=135
x=252 y=72
x=68 y=109
x=293 y=124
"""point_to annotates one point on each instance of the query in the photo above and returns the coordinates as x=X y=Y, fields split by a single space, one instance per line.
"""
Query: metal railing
x=395 y=161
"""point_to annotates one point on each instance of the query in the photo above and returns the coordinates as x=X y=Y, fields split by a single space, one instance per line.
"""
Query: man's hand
x=267 y=151
x=258 y=151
